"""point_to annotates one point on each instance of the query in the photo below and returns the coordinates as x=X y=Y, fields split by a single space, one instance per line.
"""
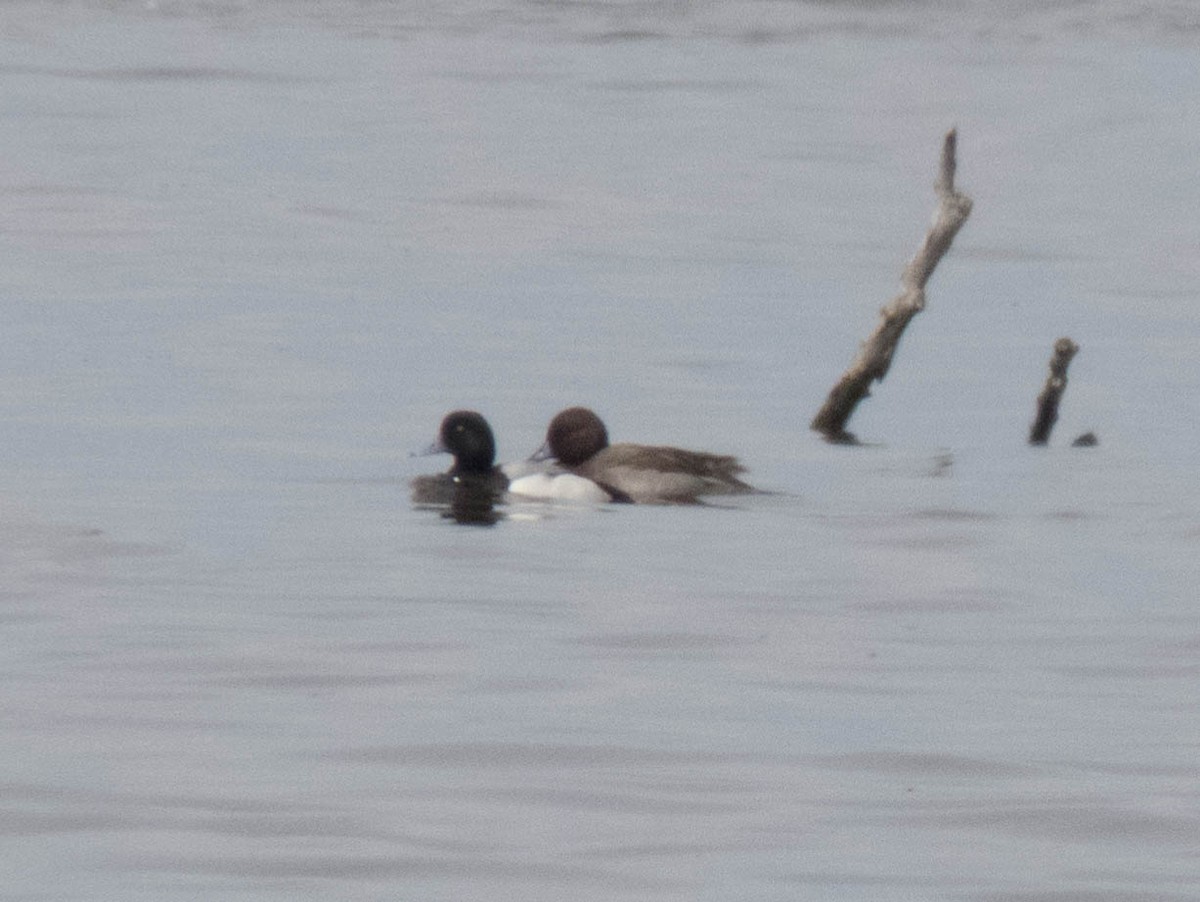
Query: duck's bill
x=541 y=454
x=435 y=448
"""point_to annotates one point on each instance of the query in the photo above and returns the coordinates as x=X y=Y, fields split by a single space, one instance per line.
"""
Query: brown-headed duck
x=646 y=474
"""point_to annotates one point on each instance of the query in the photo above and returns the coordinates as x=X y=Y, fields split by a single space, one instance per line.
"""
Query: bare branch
x=875 y=355
x=1056 y=384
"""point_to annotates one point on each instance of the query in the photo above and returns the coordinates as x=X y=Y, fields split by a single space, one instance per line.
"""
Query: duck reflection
x=473 y=506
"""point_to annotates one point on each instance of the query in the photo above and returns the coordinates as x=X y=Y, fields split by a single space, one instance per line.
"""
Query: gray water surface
x=253 y=252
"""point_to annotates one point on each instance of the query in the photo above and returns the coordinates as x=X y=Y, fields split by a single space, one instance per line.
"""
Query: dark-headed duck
x=466 y=435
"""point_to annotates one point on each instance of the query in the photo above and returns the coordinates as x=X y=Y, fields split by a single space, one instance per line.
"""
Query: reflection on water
x=253 y=250
x=464 y=501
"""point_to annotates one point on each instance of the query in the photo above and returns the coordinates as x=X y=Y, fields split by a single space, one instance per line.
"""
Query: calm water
x=253 y=252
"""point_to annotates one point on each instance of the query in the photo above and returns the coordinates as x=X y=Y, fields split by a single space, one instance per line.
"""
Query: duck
x=475 y=480
x=466 y=435
x=644 y=474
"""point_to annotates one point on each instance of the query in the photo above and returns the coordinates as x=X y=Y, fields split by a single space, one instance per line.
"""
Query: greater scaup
x=466 y=435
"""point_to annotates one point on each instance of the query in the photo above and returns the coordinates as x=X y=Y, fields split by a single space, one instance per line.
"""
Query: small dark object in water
x=1087 y=440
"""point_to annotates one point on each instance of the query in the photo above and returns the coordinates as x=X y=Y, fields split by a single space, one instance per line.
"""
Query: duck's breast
x=558 y=486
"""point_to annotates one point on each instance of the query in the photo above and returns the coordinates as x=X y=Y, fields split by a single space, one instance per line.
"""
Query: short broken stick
x=1056 y=384
x=875 y=356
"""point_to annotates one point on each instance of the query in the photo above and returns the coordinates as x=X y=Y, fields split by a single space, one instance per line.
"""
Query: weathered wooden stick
x=875 y=355
x=1056 y=384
